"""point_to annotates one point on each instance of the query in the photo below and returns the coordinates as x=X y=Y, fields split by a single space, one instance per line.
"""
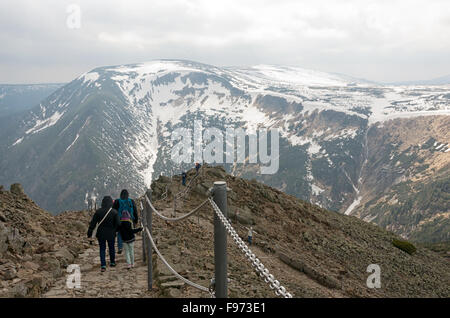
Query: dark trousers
x=119 y=241
x=111 y=248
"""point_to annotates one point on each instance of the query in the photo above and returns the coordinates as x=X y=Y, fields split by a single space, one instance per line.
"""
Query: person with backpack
x=127 y=234
x=125 y=204
x=106 y=220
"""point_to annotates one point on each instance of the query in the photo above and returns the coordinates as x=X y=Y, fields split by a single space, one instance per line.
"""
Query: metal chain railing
x=256 y=263
x=177 y=218
x=187 y=281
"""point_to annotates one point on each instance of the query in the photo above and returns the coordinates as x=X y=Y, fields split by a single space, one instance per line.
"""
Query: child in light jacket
x=127 y=233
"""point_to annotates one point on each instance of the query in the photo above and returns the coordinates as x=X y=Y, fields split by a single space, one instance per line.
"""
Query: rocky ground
x=35 y=247
x=115 y=282
x=311 y=251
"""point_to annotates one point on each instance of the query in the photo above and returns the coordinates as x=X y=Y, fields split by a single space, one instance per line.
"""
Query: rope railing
x=255 y=261
x=176 y=218
x=187 y=281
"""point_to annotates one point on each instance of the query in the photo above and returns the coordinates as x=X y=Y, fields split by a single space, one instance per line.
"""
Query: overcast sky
x=377 y=40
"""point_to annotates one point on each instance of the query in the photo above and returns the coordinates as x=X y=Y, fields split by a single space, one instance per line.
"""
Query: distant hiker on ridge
x=106 y=219
x=197 y=167
x=183 y=178
x=127 y=234
x=250 y=235
x=125 y=204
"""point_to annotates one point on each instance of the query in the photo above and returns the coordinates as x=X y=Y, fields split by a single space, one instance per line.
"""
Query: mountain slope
x=406 y=181
x=35 y=246
x=111 y=128
x=331 y=251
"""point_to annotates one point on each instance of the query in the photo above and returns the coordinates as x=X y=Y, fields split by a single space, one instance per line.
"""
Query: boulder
x=51 y=265
x=175 y=284
x=3 y=239
x=79 y=226
x=244 y=215
x=64 y=257
x=16 y=188
x=36 y=285
x=164 y=179
x=313 y=273
x=20 y=290
x=174 y=293
x=15 y=241
x=44 y=245
x=2 y=217
x=8 y=273
x=218 y=172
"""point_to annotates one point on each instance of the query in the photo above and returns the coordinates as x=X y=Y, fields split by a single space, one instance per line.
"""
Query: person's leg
x=127 y=253
x=112 y=252
x=132 y=253
x=102 y=245
x=119 y=243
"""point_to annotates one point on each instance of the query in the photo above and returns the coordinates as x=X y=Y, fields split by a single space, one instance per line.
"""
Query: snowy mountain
x=111 y=128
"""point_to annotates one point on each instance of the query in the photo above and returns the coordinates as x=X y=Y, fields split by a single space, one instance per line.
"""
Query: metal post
x=149 y=245
x=174 y=213
x=144 y=235
x=220 y=241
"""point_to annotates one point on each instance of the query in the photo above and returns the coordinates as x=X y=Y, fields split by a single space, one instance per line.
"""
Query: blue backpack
x=126 y=205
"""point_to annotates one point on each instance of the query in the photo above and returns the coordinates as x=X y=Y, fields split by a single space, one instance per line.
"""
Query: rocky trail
x=311 y=251
x=115 y=282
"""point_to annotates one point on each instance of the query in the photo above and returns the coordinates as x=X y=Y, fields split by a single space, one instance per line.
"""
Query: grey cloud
x=377 y=40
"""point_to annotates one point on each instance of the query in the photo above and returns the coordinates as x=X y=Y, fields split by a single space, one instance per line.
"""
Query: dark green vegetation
x=404 y=246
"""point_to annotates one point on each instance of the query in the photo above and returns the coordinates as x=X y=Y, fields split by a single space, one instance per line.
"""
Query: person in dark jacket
x=183 y=178
x=127 y=233
x=108 y=222
x=125 y=204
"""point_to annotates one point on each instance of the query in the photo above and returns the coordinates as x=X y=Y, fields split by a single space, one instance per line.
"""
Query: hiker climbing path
x=115 y=282
x=183 y=255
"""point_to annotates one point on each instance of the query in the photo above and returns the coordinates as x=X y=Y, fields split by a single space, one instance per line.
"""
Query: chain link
x=256 y=263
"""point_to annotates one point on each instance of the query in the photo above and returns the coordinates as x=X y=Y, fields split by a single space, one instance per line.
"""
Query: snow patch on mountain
x=45 y=123
x=89 y=77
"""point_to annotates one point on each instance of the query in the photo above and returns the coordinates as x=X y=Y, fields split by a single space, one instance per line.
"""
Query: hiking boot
x=112 y=264
x=103 y=269
x=129 y=266
x=119 y=251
